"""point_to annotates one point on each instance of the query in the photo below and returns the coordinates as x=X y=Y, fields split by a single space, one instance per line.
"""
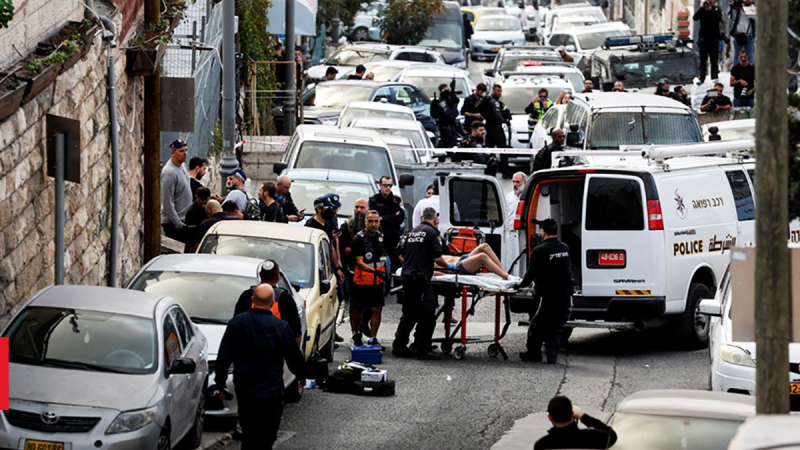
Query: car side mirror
x=710 y=307
x=183 y=366
x=278 y=168
x=532 y=123
x=570 y=48
x=406 y=179
x=324 y=286
x=489 y=72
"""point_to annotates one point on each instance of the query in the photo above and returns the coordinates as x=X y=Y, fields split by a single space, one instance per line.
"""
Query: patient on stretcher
x=471 y=263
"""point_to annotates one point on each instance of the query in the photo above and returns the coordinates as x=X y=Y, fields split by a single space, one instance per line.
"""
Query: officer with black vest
x=393 y=217
x=445 y=110
x=496 y=114
x=368 y=278
x=283 y=308
x=550 y=267
x=421 y=248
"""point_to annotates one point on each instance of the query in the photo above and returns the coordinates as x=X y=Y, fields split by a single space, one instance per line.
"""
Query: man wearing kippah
x=176 y=193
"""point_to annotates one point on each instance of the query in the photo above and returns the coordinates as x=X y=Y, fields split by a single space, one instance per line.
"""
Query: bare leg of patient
x=474 y=263
x=485 y=249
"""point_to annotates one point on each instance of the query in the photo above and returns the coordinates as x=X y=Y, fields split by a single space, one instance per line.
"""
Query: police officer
x=470 y=110
x=368 y=278
x=445 y=111
x=537 y=107
x=544 y=159
x=393 y=216
x=257 y=343
x=421 y=247
x=283 y=308
x=551 y=269
x=496 y=114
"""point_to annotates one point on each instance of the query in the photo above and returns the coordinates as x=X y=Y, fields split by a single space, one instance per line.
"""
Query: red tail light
x=654 y=217
x=518 y=215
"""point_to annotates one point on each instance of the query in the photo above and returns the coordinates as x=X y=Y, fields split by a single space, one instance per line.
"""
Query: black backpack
x=251 y=211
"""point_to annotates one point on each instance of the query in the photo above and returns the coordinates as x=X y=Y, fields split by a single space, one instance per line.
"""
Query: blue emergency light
x=637 y=40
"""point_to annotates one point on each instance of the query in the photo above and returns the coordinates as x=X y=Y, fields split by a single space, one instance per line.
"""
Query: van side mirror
x=324 y=286
x=278 y=168
x=183 y=366
x=710 y=307
x=406 y=179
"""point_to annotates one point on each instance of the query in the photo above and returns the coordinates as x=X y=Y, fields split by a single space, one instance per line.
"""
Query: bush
x=405 y=22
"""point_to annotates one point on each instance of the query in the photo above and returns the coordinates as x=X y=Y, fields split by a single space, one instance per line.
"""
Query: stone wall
x=27 y=195
x=259 y=154
x=33 y=21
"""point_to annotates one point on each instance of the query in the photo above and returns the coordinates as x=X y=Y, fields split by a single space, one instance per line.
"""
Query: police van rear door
x=475 y=202
x=617 y=244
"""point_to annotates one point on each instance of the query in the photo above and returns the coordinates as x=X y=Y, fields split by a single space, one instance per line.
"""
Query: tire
x=459 y=353
x=493 y=351
x=293 y=393
x=360 y=34
x=327 y=351
x=473 y=57
x=194 y=437
x=163 y=441
x=692 y=328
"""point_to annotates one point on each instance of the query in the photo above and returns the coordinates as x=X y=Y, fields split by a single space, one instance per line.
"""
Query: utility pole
x=646 y=17
x=152 y=148
x=773 y=304
x=228 y=162
x=289 y=106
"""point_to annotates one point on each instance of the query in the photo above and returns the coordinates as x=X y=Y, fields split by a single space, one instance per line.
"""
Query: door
x=616 y=245
x=745 y=206
x=193 y=348
x=329 y=299
x=178 y=392
x=475 y=201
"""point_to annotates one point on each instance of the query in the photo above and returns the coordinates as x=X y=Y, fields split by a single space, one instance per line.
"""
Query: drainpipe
x=109 y=36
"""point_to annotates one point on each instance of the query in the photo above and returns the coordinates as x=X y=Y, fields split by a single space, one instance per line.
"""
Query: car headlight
x=132 y=420
x=735 y=355
x=329 y=120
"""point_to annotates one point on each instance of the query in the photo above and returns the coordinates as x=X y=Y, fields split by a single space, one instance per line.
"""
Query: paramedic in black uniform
x=421 y=248
x=551 y=269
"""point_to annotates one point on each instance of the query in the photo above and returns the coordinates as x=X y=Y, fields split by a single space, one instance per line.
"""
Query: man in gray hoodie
x=176 y=193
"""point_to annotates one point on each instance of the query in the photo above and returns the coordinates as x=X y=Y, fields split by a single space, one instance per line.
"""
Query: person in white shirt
x=512 y=198
x=431 y=201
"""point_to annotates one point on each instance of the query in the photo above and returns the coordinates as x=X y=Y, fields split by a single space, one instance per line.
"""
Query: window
x=752 y=173
x=614 y=204
x=402 y=96
x=184 y=326
x=558 y=39
x=742 y=196
x=344 y=156
x=172 y=343
x=326 y=251
x=612 y=129
x=550 y=118
x=475 y=202
x=382 y=93
x=416 y=57
x=323 y=262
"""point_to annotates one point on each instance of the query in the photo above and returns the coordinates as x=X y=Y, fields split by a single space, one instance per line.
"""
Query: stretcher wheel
x=447 y=347
x=493 y=351
x=459 y=352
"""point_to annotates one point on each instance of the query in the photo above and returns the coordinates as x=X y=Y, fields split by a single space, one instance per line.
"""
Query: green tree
x=344 y=9
x=405 y=22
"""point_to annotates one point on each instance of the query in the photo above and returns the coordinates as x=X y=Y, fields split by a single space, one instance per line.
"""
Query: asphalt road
x=481 y=402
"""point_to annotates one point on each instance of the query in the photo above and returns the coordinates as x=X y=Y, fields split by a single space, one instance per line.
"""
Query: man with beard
x=512 y=198
x=349 y=229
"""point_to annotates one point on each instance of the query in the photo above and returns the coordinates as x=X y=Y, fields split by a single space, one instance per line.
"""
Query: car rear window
x=474 y=202
x=614 y=204
x=335 y=155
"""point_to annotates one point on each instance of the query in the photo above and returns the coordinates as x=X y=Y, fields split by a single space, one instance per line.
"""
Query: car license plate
x=30 y=444
x=611 y=258
x=794 y=388
x=495 y=49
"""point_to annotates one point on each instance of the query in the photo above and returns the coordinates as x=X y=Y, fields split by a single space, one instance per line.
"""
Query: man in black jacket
x=710 y=18
x=496 y=114
x=257 y=344
x=551 y=269
x=393 y=217
x=445 y=110
x=565 y=432
x=544 y=159
x=284 y=197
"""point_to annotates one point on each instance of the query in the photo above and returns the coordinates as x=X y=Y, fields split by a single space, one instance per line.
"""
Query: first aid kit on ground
x=369 y=354
x=374 y=375
x=354 y=377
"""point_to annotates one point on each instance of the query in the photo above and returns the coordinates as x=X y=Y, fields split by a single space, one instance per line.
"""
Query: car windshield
x=591 y=41
x=336 y=96
x=208 y=297
x=655 y=432
x=83 y=340
x=351 y=114
x=511 y=62
x=444 y=34
x=517 y=99
x=334 y=155
x=430 y=84
x=354 y=57
x=495 y=23
x=384 y=72
x=297 y=258
x=304 y=192
x=414 y=136
x=403 y=155
x=678 y=68
x=609 y=130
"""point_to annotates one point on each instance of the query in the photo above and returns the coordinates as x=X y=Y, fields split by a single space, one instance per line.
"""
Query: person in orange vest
x=283 y=308
x=370 y=273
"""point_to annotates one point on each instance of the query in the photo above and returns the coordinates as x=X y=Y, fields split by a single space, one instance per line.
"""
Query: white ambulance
x=649 y=230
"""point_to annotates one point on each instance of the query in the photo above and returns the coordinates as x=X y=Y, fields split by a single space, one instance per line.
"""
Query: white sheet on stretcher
x=487 y=281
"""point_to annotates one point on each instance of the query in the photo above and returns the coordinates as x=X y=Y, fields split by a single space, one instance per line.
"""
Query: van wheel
x=327 y=351
x=692 y=327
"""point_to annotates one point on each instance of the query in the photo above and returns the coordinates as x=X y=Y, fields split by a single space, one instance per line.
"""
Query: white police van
x=649 y=229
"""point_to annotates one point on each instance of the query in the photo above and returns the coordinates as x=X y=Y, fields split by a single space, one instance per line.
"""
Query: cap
x=327 y=201
x=664 y=80
x=177 y=143
x=334 y=200
x=239 y=173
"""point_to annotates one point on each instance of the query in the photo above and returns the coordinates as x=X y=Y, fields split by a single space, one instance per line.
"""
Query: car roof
x=390 y=62
x=341 y=135
x=513 y=81
x=600 y=100
x=443 y=71
x=98 y=298
x=635 y=164
x=339 y=176
x=689 y=403
x=392 y=124
x=205 y=263
x=633 y=50
x=270 y=230
x=369 y=46
x=596 y=28
x=549 y=68
x=495 y=16
x=380 y=106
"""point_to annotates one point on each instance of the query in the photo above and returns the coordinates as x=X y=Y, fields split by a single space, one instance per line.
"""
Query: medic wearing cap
x=327 y=207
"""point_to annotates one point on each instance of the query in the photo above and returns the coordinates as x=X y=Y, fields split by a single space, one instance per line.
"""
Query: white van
x=649 y=236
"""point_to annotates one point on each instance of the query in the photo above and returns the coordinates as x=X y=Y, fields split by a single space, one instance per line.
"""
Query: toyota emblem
x=50 y=418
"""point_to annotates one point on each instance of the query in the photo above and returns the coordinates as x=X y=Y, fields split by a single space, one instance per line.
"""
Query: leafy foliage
x=405 y=22
x=6 y=12
x=256 y=44
x=344 y=9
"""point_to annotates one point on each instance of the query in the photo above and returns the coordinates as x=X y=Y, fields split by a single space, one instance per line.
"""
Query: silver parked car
x=94 y=367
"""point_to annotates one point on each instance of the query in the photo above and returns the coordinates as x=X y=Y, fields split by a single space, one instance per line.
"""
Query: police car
x=640 y=61
x=519 y=89
x=650 y=230
x=508 y=59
